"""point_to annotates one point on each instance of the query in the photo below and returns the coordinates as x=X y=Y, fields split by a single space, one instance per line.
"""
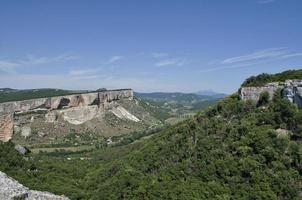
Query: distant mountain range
x=210 y=93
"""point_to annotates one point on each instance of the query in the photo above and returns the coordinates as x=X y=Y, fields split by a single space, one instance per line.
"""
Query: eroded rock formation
x=6 y=127
x=292 y=90
x=75 y=109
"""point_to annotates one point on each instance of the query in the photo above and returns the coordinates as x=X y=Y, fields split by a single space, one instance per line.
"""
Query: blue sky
x=158 y=45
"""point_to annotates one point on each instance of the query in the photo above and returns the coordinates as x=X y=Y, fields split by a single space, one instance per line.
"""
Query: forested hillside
x=233 y=150
x=264 y=78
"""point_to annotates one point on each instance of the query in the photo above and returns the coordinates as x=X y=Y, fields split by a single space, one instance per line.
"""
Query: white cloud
x=114 y=59
x=8 y=66
x=33 y=60
x=81 y=72
x=261 y=54
x=172 y=61
x=266 y=1
x=222 y=67
x=159 y=55
x=292 y=55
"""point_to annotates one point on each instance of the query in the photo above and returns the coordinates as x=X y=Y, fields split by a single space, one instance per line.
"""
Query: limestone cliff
x=75 y=109
x=291 y=89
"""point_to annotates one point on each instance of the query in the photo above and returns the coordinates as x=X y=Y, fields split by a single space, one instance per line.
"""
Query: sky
x=158 y=45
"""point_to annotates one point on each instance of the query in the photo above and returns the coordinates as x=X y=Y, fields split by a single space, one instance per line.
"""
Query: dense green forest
x=233 y=150
x=262 y=79
x=7 y=94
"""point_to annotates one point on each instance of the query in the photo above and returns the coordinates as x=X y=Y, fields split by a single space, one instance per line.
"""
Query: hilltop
x=264 y=78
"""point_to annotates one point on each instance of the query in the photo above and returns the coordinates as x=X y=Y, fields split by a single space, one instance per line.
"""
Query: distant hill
x=176 y=106
x=178 y=96
x=210 y=93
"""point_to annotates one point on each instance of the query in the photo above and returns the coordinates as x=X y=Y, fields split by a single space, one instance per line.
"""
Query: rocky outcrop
x=22 y=150
x=6 y=127
x=292 y=90
x=253 y=93
x=10 y=189
x=79 y=115
x=122 y=113
x=87 y=99
x=75 y=109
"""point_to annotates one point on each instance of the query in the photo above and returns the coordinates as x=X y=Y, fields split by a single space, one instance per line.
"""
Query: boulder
x=22 y=150
x=26 y=131
x=41 y=134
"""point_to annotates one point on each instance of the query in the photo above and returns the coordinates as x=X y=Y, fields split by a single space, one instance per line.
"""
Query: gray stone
x=253 y=93
x=292 y=90
x=41 y=134
x=26 y=131
x=51 y=116
x=22 y=150
x=10 y=189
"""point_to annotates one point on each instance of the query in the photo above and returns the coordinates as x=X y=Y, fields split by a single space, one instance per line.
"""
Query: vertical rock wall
x=292 y=90
x=6 y=127
x=85 y=106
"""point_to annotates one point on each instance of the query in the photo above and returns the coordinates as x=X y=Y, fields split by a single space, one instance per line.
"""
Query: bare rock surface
x=79 y=115
x=75 y=109
x=25 y=131
x=6 y=127
x=11 y=189
x=122 y=113
x=292 y=90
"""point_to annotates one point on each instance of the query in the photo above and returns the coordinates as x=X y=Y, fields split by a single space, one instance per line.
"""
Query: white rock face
x=122 y=113
x=10 y=189
x=25 y=131
x=253 y=93
x=51 y=116
x=6 y=127
x=80 y=115
x=76 y=109
x=292 y=90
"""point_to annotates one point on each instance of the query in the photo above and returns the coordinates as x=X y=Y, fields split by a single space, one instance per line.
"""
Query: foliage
x=18 y=95
x=263 y=99
x=262 y=79
x=231 y=151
